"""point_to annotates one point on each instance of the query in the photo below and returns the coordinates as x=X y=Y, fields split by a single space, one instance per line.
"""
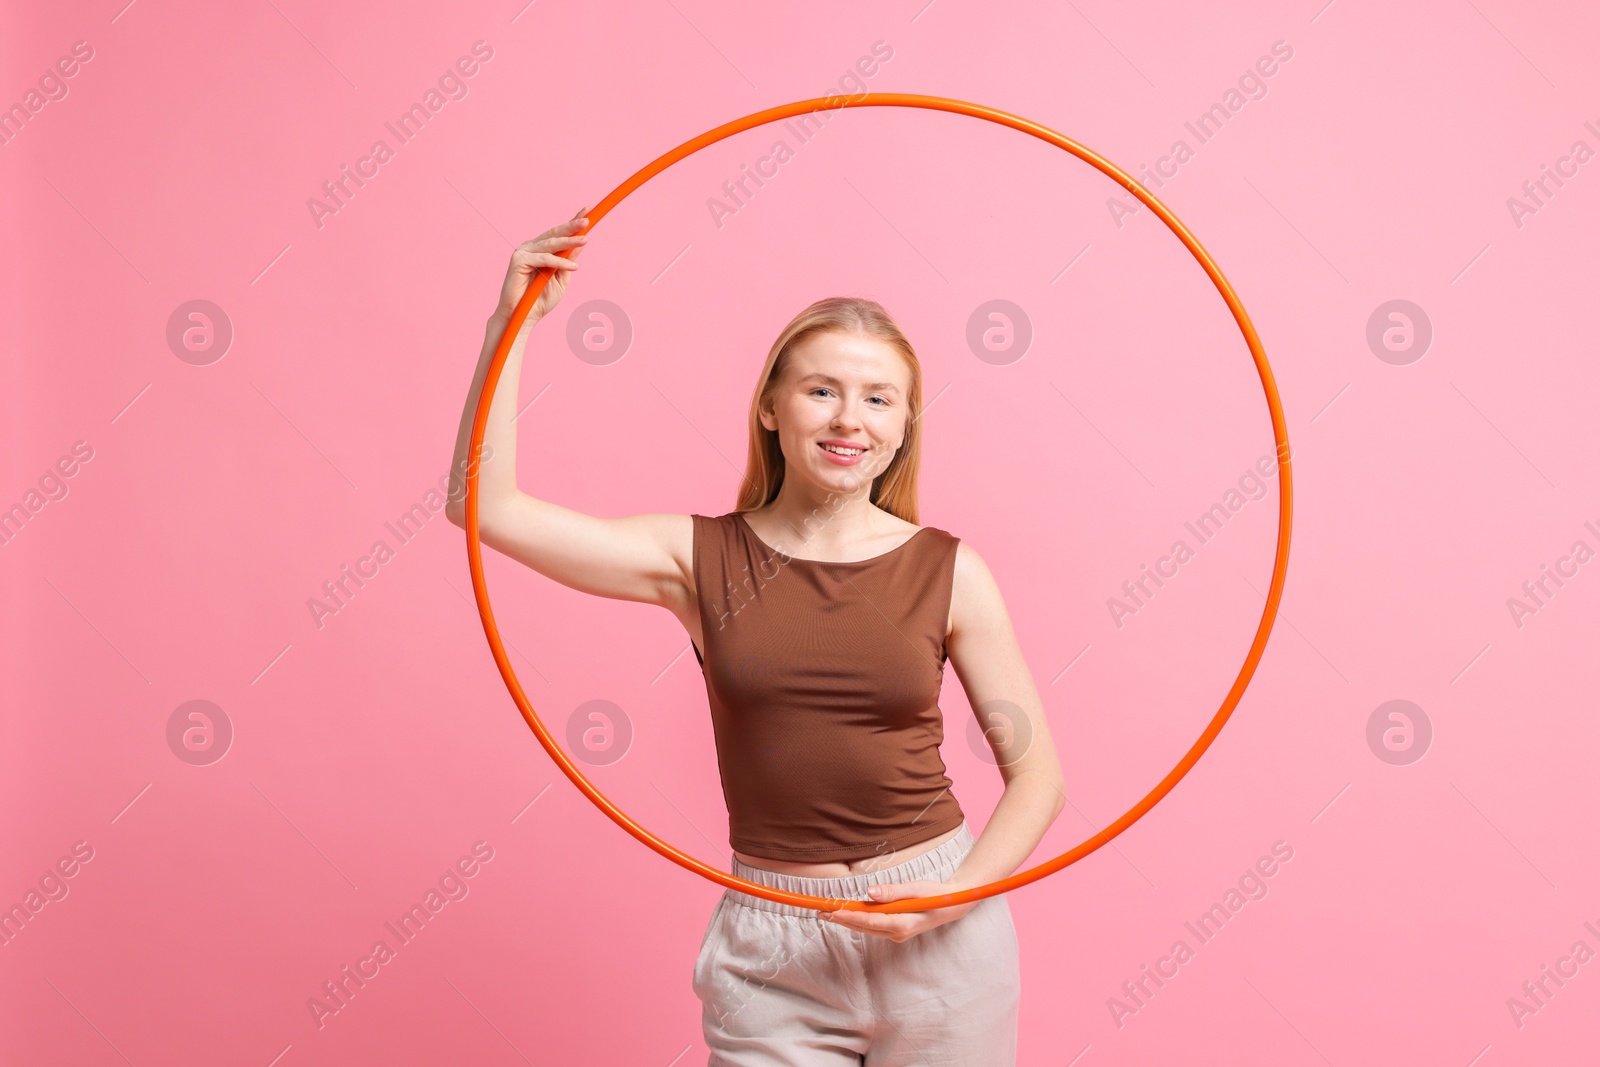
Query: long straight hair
x=895 y=490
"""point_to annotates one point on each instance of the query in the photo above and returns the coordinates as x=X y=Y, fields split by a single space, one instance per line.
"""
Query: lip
x=843 y=461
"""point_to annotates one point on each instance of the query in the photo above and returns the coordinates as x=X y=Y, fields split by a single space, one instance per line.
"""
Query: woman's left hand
x=901 y=926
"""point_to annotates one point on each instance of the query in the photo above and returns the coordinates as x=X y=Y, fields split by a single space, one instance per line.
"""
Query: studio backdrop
x=266 y=797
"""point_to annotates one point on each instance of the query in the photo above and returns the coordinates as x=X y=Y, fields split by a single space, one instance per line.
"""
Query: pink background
x=371 y=752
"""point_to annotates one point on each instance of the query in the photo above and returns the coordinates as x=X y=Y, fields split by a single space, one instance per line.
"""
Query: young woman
x=821 y=615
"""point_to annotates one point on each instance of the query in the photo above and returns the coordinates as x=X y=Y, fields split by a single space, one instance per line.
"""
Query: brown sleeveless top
x=823 y=680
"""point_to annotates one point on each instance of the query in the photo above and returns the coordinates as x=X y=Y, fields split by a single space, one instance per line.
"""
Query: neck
x=826 y=518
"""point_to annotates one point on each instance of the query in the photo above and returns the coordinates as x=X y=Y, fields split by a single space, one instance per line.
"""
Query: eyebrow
x=831 y=380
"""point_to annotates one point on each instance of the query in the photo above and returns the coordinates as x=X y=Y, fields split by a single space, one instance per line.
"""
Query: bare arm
x=984 y=651
x=638 y=557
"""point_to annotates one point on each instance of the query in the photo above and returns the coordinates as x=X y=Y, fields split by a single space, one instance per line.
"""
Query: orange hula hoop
x=1133 y=814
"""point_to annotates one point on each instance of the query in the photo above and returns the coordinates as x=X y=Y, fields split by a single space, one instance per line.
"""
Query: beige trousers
x=780 y=987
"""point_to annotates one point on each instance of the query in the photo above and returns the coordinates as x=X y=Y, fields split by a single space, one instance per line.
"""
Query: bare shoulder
x=982 y=643
x=975 y=600
x=970 y=566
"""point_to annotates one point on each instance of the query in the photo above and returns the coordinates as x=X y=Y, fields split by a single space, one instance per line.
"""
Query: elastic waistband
x=937 y=864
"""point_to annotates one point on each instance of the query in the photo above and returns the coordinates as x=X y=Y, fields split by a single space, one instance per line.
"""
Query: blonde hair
x=894 y=490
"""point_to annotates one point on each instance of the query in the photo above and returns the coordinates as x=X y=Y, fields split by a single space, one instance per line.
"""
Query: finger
x=547 y=259
x=887 y=891
x=555 y=232
x=883 y=927
x=562 y=246
x=860 y=920
x=541 y=260
x=565 y=241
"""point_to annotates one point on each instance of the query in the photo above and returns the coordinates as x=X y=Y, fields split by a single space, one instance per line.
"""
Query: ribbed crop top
x=823 y=680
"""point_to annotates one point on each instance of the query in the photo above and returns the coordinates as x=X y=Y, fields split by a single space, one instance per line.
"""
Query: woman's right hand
x=530 y=257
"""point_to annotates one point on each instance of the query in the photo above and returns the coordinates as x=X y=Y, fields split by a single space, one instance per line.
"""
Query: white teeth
x=844 y=451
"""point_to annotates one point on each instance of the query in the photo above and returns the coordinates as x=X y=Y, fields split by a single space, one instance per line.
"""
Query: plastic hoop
x=1133 y=814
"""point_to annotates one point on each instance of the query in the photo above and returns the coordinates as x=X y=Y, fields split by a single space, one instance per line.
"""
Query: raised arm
x=638 y=557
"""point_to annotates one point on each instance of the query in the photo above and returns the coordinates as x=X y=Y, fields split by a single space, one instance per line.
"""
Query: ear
x=766 y=412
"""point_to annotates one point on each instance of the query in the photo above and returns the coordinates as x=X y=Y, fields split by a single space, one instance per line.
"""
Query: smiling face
x=841 y=409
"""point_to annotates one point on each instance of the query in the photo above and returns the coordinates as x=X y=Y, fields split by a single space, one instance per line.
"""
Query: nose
x=844 y=418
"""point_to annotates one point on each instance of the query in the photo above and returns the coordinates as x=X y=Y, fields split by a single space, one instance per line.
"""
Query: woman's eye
x=824 y=389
